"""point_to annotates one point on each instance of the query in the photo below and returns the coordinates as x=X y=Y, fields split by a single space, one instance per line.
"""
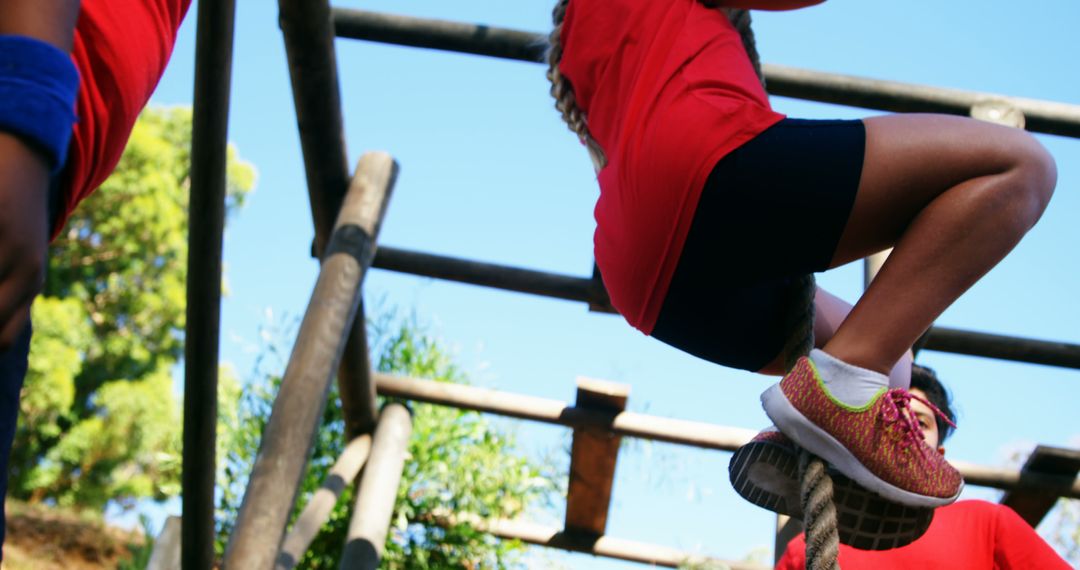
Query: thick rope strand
x=816 y=495
x=816 y=487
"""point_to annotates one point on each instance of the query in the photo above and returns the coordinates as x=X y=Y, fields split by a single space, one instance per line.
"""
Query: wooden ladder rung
x=592 y=459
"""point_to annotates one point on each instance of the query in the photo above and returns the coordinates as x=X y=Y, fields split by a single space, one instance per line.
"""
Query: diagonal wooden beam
x=374 y=504
x=1032 y=500
x=287 y=440
x=593 y=455
x=321 y=505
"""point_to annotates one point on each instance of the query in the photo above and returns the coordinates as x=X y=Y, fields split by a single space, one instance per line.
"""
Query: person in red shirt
x=973 y=535
x=713 y=207
x=73 y=78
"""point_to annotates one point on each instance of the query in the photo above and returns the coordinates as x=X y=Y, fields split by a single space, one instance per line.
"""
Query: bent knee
x=1033 y=175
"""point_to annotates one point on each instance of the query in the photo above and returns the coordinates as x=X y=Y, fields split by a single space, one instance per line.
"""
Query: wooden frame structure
x=347 y=211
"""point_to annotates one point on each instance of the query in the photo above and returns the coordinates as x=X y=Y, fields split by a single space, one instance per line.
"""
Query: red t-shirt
x=120 y=49
x=668 y=90
x=972 y=535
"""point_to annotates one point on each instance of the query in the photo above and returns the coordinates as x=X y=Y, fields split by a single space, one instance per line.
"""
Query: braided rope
x=816 y=495
x=563 y=91
x=816 y=486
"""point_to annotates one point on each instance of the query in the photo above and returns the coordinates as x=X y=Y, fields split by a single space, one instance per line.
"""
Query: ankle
x=851 y=384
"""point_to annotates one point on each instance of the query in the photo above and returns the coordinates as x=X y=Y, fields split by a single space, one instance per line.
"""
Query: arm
x=25 y=174
x=770 y=5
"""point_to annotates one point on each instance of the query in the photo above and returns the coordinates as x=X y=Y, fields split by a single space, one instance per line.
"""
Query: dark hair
x=926 y=379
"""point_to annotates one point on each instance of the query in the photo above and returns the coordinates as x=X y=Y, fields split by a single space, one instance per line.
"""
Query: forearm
x=51 y=21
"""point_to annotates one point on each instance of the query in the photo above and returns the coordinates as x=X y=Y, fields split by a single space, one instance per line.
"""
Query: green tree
x=99 y=417
x=458 y=462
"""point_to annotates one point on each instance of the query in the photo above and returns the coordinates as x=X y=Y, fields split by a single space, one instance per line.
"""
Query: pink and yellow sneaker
x=765 y=472
x=878 y=445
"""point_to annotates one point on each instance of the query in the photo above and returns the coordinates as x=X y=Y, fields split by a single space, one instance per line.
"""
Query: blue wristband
x=38 y=86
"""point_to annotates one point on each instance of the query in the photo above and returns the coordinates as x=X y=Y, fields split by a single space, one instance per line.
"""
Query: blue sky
x=489 y=172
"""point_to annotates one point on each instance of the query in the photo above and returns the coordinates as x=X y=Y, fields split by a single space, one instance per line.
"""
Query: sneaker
x=878 y=445
x=765 y=472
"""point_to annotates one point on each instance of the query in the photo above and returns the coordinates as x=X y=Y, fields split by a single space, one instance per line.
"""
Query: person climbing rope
x=713 y=208
x=73 y=78
x=977 y=535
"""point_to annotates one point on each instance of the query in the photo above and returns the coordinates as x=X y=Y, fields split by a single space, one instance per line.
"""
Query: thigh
x=912 y=159
x=771 y=212
x=775 y=207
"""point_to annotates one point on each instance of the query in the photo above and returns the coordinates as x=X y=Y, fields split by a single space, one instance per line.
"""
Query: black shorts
x=771 y=211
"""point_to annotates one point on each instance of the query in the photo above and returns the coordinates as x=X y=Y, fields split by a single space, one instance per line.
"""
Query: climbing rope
x=816 y=486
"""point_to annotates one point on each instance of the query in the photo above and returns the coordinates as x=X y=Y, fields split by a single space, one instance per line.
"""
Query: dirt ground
x=42 y=538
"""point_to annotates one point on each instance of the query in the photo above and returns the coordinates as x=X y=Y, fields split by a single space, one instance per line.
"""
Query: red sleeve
x=1018 y=547
x=794 y=557
x=120 y=48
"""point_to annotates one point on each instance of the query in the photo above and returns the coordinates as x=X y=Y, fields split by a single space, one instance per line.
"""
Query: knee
x=1025 y=182
x=1035 y=176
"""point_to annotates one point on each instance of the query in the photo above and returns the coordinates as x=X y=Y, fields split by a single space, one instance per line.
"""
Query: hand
x=24 y=237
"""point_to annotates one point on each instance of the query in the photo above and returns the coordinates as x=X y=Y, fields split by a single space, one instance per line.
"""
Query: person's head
x=925 y=383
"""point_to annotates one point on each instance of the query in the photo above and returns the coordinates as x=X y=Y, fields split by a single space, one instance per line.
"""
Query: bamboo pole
x=1042 y=116
x=683 y=432
x=206 y=226
x=287 y=440
x=318 y=509
x=957 y=341
x=375 y=497
x=309 y=44
x=606 y=546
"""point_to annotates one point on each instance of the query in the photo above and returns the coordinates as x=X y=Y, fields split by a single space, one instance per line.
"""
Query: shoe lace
x=900 y=412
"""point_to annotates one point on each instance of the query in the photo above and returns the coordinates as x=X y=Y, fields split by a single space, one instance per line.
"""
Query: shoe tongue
x=852 y=385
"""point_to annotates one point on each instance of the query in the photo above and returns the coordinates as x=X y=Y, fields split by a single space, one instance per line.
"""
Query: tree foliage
x=458 y=463
x=99 y=417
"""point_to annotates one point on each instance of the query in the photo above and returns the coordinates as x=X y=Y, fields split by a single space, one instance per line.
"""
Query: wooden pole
x=287 y=440
x=606 y=546
x=1042 y=116
x=318 y=509
x=309 y=44
x=957 y=341
x=1033 y=501
x=206 y=227
x=375 y=498
x=683 y=432
x=594 y=452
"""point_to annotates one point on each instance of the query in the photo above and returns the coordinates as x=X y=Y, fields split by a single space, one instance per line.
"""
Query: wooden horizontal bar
x=1032 y=351
x=1032 y=502
x=697 y=434
x=1041 y=116
x=590 y=291
x=684 y=432
x=606 y=546
x=492 y=275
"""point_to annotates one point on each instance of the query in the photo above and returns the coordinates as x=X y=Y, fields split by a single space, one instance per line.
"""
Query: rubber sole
x=819 y=442
x=767 y=475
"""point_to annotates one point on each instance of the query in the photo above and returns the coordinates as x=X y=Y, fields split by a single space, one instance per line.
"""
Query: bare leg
x=830 y=312
x=953 y=196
